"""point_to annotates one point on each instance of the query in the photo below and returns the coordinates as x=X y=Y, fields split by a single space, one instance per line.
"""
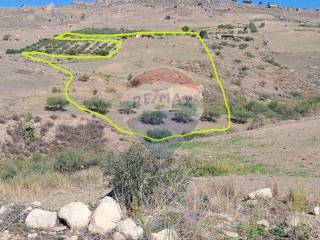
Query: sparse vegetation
x=158 y=133
x=83 y=78
x=97 y=105
x=185 y=110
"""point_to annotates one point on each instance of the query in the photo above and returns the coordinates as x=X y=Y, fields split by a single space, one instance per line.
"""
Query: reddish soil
x=162 y=75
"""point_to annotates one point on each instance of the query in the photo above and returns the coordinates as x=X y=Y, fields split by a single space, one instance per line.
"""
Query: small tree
x=203 y=34
x=128 y=107
x=98 y=105
x=56 y=103
x=153 y=117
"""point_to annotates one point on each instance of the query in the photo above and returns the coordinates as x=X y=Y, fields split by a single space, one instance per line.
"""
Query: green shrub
x=185 y=28
x=8 y=171
x=243 y=46
x=39 y=164
x=56 y=103
x=128 y=107
x=211 y=113
x=185 y=110
x=13 y=51
x=296 y=94
x=28 y=130
x=282 y=110
x=153 y=117
x=83 y=78
x=252 y=231
x=264 y=96
x=133 y=176
x=278 y=231
x=253 y=28
x=240 y=114
x=74 y=159
x=158 y=133
x=237 y=61
x=203 y=34
x=255 y=107
x=97 y=105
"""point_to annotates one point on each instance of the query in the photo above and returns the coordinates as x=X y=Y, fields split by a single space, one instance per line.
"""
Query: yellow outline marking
x=90 y=37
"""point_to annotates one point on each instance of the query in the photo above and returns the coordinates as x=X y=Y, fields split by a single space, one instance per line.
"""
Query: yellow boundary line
x=96 y=38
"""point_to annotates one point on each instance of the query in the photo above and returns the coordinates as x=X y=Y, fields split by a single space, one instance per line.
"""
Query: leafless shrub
x=37 y=119
x=45 y=128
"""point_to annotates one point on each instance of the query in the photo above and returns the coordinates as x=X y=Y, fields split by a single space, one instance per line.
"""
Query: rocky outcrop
x=41 y=219
x=264 y=193
x=106 y=216
x=166 y=234
x=76 y=215
x=129 y=229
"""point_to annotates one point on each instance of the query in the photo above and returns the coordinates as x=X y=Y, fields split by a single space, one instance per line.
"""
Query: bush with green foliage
x=243 y=46
x=185 y=110
x=28 y=130
x=74 y=159
x=153 y=117
x=253 y=28
x=128 y=107
x=56 y=103
x=13 y=51
x=239 y=114
x=97 y=105
x=211 y=113
x=185 y=28
x=133 y=176
x=158 y=133
x=203 y=34
x=8 y=171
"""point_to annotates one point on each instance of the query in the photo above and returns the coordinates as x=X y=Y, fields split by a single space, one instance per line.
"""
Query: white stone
x=264 y=193
x=129 y=229
x=118 y=236
x=41 y=219
x=32 y=235
x=36 y=204
x=76 y=215
x=231 y=234
x=106 y=216
x=166 y=234
x=3 y=210
x=316 y=210
x=263 y=223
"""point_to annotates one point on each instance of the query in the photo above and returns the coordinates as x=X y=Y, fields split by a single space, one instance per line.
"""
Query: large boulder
x=166 y=234
x=41 y=219
x=76 y=215
x=106 y=216
x=264 y=193
x=129 y=229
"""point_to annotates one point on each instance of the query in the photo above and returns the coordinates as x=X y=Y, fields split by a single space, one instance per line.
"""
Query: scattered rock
x=59 y=229
x=32 y=235
x=75 y=214
x=231 y=234
x=118 y=236
x=264 y=223
x=41 y=219
x=36 y=204
x=129 y=229
x=166 y=234
x=316 y=210
x=106 y=216
x=264 y=193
